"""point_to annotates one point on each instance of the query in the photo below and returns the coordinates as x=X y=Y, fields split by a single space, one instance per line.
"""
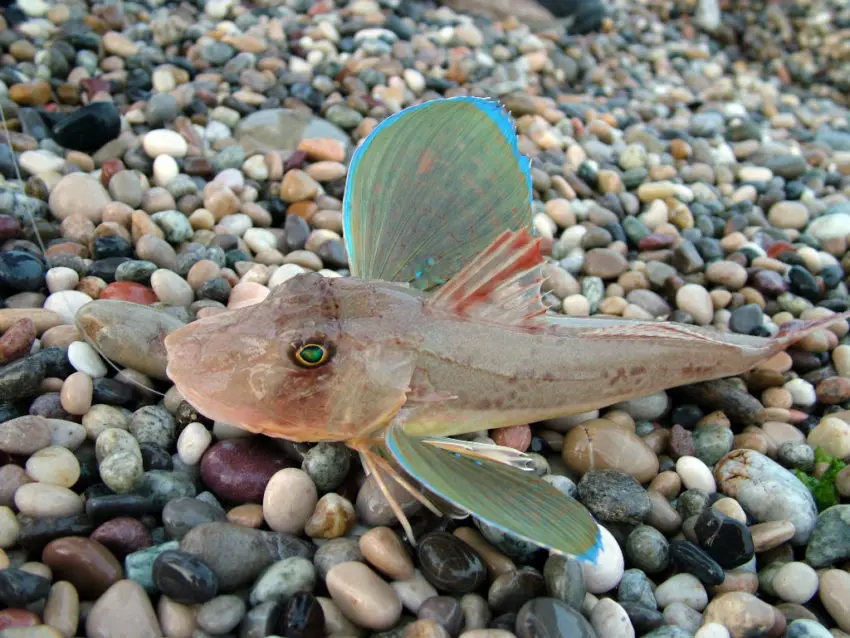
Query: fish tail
x=792 y=331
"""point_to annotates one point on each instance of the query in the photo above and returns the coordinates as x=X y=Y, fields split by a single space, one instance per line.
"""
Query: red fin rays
x=502 y=284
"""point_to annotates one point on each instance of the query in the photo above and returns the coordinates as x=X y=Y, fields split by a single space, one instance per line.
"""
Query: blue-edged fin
x=514 y=501
x=431 y=187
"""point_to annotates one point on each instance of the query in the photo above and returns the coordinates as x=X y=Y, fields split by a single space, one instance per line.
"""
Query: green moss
x=823 y=489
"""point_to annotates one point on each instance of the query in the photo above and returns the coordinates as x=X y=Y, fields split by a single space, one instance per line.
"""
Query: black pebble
x=104 y=508
x=803 y=283
x=643 y=619
x=21 y=271
x=111 y=392
x=19 y=588
x=21 y=378
x=727 y=541
x=88 y=128
x=184 y=578
x=35 y=533
x=301 y=616
x=56 y=363
x=450 y=564
x=105 y=268
x=687 y=415
x=217 y=289
x=690 y=558
x=111 y=246
x=155 y=457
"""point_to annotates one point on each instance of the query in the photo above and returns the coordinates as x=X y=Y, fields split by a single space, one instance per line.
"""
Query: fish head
x=311 y=362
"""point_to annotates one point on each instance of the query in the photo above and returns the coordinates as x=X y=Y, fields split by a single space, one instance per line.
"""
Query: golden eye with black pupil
x=311 y=355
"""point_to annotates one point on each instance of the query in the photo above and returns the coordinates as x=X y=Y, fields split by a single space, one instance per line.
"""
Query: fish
x=441 y=332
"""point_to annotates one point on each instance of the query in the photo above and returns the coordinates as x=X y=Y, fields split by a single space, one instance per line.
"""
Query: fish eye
x=311 y=355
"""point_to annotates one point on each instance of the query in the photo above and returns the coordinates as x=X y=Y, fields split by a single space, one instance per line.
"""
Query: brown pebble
x=246 y=515
x=602 y=444
x=363 y=596
x=333 y=517
x=663 y=516
x=17 y=341
x=669 y=483
x=741 y=613
x=384 y=550
x=86 y=563
x=43 y=319
x=24 y=435
x=11 y=478
x=497 y=563
x=76 y=395
x=425 y=629
x=833 y=390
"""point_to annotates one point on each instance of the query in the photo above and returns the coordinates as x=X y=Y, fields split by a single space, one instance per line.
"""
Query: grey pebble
x=564 y=579
x=335 y=551
x=635 y=587
x=153 y=424
x=712 y=442
x=648 y=549
x=830 y=539
x=183 y=514
x=614 y=497
x=282 y=579
x=510 y=591
x=804 y=628
x=163 y=486
x=174 y=224
x=221 y=614
x=327 y=464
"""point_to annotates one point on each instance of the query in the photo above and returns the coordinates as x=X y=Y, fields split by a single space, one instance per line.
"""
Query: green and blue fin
x=431 y=187
x=497 y=491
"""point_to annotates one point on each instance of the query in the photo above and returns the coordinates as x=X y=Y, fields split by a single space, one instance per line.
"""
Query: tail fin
x=792 y=331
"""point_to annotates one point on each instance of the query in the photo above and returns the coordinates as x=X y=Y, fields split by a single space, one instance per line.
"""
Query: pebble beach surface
x=179 y=160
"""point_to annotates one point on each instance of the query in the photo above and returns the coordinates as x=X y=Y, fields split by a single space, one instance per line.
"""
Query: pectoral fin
x=514 y=501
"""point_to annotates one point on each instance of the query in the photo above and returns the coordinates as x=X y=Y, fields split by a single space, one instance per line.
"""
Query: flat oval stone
x=24 y=435
x=551 y=618
x=602 y=444
x=181 y=515
x=363 y=597
x=85 y=563
x=123 y=535
x=450 y=564
x=184 y=578
x=238 y=470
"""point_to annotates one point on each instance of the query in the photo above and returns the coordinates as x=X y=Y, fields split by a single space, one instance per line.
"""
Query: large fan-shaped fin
x=431 y=187
x=514 y=501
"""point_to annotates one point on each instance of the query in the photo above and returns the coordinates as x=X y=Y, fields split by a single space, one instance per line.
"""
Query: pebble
x=289 y=500
x=124 y=604
x=363 y=597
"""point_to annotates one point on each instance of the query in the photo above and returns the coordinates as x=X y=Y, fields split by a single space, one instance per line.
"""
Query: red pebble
x=94 y=85
x=18 y=618
x=654 y=241
x=778 y=248
x=129 y=291
x=517 y=437
x=9 y=227
x=108 y=169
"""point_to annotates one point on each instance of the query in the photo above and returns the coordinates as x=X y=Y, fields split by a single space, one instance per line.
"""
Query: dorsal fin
x=501 y=285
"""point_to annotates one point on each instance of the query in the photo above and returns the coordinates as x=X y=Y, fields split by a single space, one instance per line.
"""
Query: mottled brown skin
x=396 y=356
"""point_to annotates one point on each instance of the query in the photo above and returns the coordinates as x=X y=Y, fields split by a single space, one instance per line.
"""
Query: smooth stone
x=682 y=588
x=19 y=588
x=767 y=491
x=85 y=563
x=551 y=618
x=690 y=558
x=124 y=604
x=602 y=444
x=830 y=539
x=21 y=271
x=386 y=552
x=508 y=592
x=795 y=582
x=89 y=127
x=24 y=435
x=413 y=591
x=78 y=193
x=239 y=470
x=635 y=587
x=444 y=610
x=184 y=578
x=606 y=573
x=45 y=500
x=450 y=564
x=181 y=515
x=363 y=597
x=648 y=549
x=609 y=619
x=803 y=628
x=835 y=596
x=221 y=614
x=289 y=500
x=335 y=551
x=62 y=609
x=302 y=616
x=238 y=554
x=283 y=580
x=138 y=566
x=614 y=497
x=726 y=540
x=565 y=580
x=129 y=334
x=741 y=613
x=123 y=535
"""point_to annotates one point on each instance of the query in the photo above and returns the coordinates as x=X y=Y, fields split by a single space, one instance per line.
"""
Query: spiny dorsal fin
x=501 y=285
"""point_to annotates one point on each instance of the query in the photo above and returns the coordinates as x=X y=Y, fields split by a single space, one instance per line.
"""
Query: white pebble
x=9 y=528
x=61 y=278
x=41 y=500
x=695 y=474
x=413 y=591
x=289 y=500
x=255 y=168
x=193 y=442
x=607 y=572
x=841 y=359
x=609 y=619
x=67 y=434
x=284 y=273
x=802 y=392
x=165 y=169
x=682 y=588
x=795 y=582
x=712 y=630
x=171 y=288
x=163 y=141
x=260 y=239
x=84 y=358
x=54 y=465
x=66 y=303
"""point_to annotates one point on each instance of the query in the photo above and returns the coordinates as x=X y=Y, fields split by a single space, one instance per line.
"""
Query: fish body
x=441 y=331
